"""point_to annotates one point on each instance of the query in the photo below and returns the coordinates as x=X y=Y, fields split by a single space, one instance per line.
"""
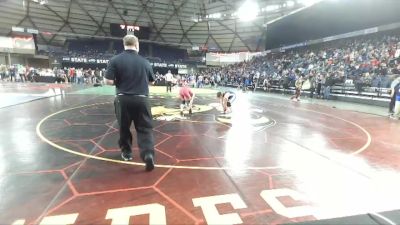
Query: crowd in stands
x=105 y=49
x=364 y=62
x=370 y=61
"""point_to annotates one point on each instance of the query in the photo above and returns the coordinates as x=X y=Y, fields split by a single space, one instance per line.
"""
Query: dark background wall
x=331 y=17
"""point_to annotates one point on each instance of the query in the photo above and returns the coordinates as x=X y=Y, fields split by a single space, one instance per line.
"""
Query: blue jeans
x=397 y=109
x=327 y=92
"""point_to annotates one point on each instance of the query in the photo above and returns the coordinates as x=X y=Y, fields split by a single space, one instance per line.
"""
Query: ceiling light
x=41 y=2
x=290 y=3
x=271 y=8
x=308 y=2
x=248 y=11
x=217 y=15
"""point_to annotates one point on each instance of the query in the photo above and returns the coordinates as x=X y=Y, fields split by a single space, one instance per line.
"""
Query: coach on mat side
x=131 y=75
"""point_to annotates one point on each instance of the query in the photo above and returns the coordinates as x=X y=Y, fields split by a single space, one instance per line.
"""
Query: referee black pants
x=136 y=109
x=169 y=86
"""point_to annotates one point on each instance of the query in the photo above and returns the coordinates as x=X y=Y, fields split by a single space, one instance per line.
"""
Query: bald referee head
x=131 y=74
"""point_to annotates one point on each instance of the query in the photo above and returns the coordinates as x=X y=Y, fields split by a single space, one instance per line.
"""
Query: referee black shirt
x=131 y=73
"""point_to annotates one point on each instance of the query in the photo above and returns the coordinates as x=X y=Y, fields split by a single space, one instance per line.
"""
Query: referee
x=169 y=78
x=131 y=75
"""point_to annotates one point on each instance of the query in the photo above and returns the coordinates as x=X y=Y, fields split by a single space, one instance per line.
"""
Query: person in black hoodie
x=393 y=96
x=396 y=94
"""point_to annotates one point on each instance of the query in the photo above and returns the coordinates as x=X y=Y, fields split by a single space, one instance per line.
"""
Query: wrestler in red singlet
x=187 y=96
x=185 y=93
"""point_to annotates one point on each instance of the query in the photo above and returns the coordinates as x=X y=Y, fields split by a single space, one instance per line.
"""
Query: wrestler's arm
x=191 y=100
x=225 y=104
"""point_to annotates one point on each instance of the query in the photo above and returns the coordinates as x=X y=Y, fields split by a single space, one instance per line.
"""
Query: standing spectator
x=13 y=73
x=312 y=81
x=266 y=84
x=192 y=80
x=255 y=80
x=79 y=76
x=328 y=86
x=200 y=81
x=21 y=73
x=396 y=93
x=3 y=71
x=298 y=84
x=218 y=79
x=131 y=74
x=72 y=75
x=319 y=86
x=393 y=96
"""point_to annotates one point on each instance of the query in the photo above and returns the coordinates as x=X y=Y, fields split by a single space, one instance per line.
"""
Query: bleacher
x=347 y=92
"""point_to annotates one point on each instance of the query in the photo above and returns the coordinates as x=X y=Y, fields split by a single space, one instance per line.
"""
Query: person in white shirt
x=79 y=76
x=22 y=72
x=168 y=80
x=200 y=81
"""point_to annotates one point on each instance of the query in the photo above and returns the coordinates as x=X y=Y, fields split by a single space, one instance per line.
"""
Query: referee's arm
x=150 y=74
x=110 y=73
